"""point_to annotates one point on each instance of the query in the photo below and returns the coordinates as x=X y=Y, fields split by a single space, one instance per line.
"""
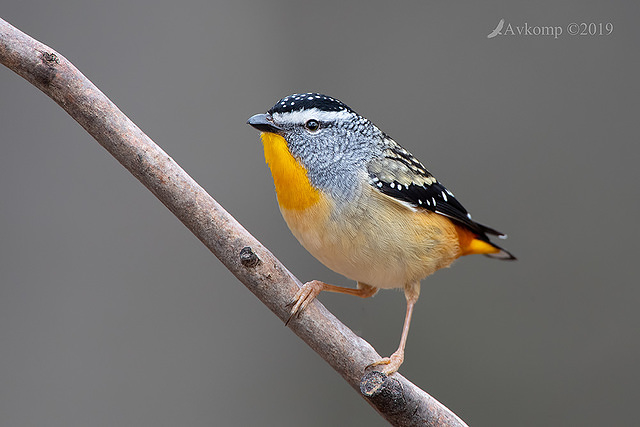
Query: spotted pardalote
x=363 y=205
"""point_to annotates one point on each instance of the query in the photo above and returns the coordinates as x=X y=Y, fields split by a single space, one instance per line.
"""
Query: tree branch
x=395 y=398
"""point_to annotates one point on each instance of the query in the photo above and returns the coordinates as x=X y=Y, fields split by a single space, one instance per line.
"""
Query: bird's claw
x=305 y=295
x=392 y=363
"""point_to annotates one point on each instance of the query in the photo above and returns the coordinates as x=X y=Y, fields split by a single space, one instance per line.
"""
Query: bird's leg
x=393 y=362
x=310 y=290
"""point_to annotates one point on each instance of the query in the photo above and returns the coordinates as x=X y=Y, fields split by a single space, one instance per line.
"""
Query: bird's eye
x=312 y=125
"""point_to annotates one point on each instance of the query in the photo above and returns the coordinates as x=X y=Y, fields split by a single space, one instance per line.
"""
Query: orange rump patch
x=471 y=245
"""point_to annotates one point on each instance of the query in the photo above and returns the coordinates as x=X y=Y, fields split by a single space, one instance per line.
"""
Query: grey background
x=113 y=314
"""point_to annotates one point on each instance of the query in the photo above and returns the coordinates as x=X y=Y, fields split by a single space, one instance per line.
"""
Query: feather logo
x=497 y=30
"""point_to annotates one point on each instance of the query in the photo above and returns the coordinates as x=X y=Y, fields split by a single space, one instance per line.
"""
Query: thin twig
x=395 y=398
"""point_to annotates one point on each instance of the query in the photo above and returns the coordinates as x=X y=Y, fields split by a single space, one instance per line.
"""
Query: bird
x=363 y=205
x=497 y=30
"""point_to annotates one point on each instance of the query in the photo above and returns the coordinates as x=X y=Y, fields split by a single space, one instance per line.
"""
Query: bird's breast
x=374 y=240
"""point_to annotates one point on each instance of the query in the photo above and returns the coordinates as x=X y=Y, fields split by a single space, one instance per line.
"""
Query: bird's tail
x=472 y=243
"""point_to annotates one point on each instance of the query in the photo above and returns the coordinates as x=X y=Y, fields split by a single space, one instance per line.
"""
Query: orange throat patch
x=293 y=188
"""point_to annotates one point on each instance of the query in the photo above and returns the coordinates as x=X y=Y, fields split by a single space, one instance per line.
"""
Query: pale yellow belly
x=382 y=243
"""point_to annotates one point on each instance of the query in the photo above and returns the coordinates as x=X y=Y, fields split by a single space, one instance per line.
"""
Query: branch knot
x=248 y=258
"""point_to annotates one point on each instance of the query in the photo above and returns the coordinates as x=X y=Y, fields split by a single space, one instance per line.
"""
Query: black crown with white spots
x=303 y=101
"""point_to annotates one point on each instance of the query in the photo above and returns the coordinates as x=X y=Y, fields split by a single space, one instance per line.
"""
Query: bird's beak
x=264 y=123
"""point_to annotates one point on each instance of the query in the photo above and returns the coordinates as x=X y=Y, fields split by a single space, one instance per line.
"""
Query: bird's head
x=319 y=130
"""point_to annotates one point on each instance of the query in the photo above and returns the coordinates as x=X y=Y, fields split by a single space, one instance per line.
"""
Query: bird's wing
x=398 y=174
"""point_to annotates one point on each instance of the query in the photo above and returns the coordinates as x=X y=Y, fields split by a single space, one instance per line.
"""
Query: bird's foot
x=392 y=363
x=307 y=293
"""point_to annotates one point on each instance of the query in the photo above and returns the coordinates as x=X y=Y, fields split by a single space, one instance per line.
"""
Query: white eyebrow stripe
x=302 y=116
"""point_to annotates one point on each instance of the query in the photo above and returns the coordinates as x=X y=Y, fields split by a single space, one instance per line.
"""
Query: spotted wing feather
x=400 y=175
